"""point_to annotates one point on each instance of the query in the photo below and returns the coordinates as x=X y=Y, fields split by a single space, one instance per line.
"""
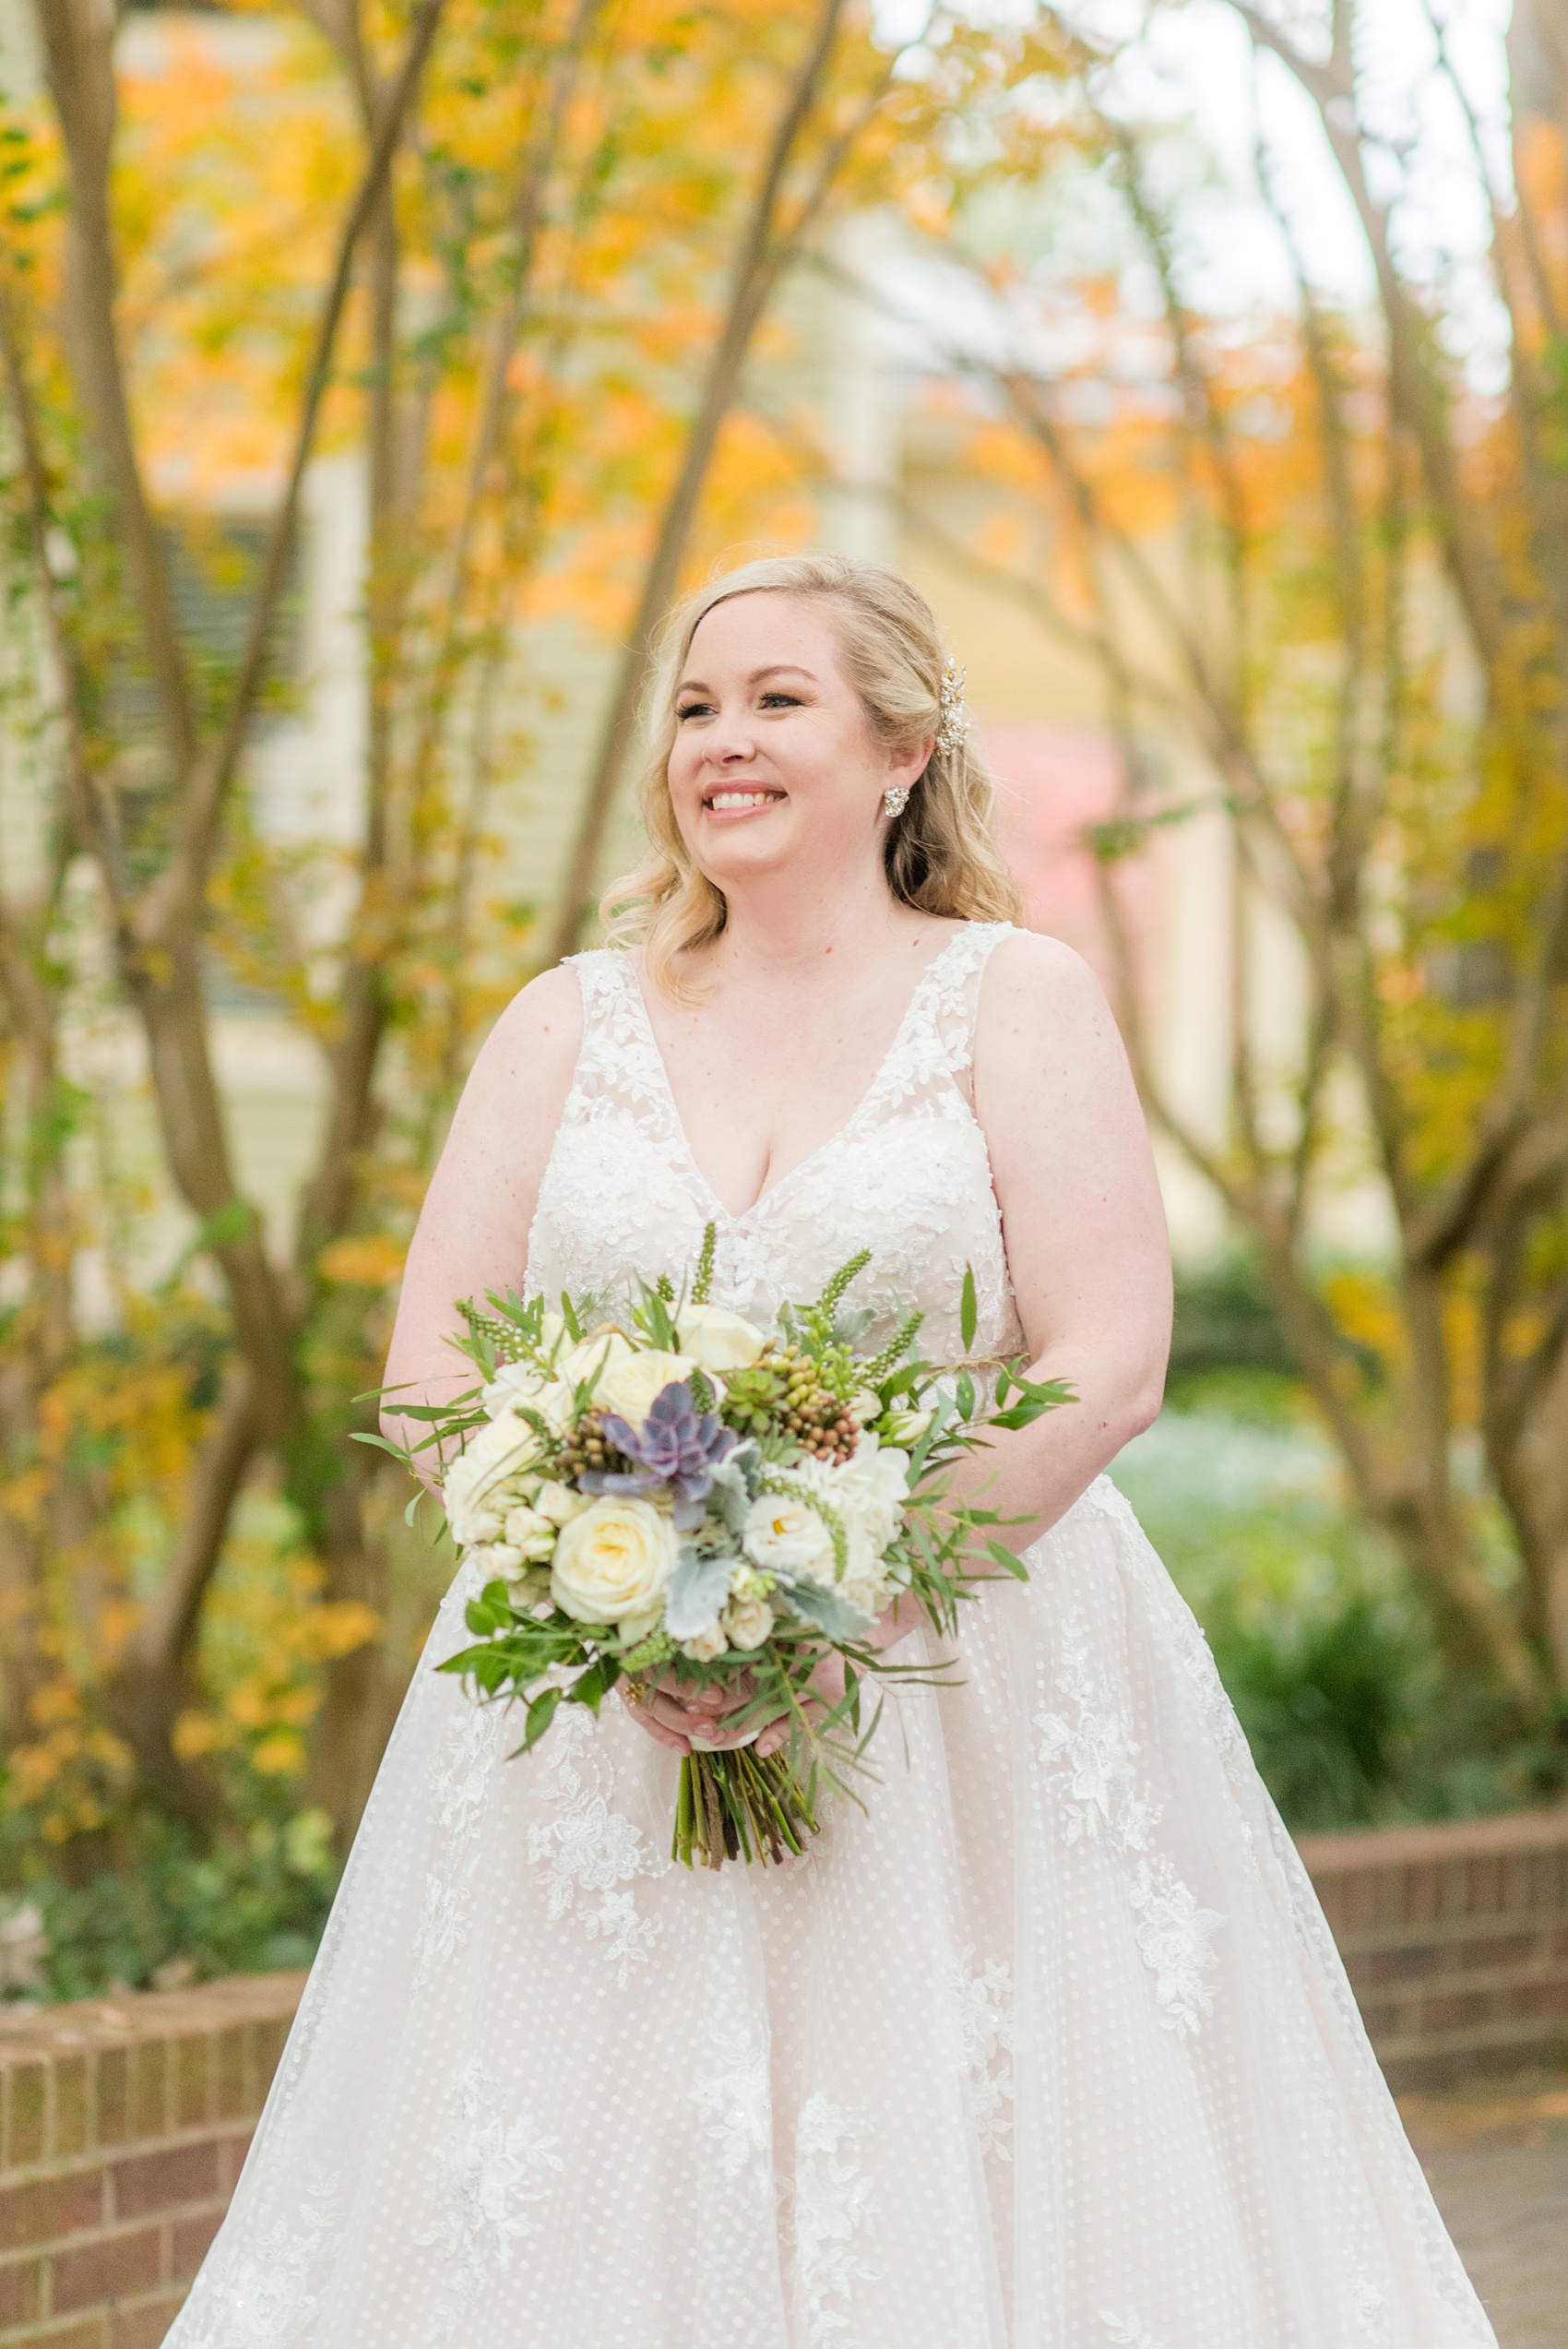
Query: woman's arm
x=473 y=1229
x=1083 y=1221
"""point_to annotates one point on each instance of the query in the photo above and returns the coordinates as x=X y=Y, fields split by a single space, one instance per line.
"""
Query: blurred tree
x=1329 y=556
x=492 y=242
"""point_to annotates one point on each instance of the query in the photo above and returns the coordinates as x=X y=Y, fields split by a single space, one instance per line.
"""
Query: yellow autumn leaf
x=370 y=1263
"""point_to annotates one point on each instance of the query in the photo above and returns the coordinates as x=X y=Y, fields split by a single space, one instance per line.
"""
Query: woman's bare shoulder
x=535 y=1040
x=1037 y=986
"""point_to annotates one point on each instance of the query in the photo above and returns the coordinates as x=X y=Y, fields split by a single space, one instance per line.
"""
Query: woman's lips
x=730 y=806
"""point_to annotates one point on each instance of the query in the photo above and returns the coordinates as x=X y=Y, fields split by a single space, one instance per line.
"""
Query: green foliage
x=1322 y=1636
x=170 y=1906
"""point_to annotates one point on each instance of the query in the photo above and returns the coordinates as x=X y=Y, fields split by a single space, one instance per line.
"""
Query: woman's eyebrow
x=774 y=669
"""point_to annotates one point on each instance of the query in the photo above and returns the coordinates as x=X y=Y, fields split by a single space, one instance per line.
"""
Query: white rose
x=531 y=1534
x=866 y=1405
x=870 y=1489
x=591 y=1353
x=558 y=1502
x=749 y=1624
x=497 y=1557
x=518 y=1386
x=471 y=1493
x=551 y=1329
x=705 y=1646
x=630 y=1383
x=613 y=1560
x=717 y=1339
x=786 y=1535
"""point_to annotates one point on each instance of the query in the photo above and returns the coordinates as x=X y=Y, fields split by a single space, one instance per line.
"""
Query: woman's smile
x=732 y=802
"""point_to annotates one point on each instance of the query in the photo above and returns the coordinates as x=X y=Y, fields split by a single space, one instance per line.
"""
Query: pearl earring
x=896 y=799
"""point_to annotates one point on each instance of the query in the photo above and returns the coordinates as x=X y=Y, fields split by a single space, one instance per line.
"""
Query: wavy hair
x=940 y=854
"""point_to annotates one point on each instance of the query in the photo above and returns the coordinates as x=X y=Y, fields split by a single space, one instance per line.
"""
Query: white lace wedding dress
x=1050 y=2047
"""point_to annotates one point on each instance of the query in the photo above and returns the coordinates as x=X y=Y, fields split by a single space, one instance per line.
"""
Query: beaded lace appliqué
x=834 y=2206
x=985 y=2034
x=588 y=1848
x=263 y=2293
x=1088 y=1759
x=492 y=2171
x=733 y=2105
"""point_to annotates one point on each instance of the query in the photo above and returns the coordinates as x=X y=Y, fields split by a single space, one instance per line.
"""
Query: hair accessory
x=895 y=799
x=955 y=711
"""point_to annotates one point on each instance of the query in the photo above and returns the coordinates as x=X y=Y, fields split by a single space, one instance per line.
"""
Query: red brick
x=231 y=2151
x=20 y=2290
x=145 y=2327
x=114 y=2095
x=149 y=2089
x=159 y=2181
x=69 y=2133
x=34 y=2216
x=103 y=2271
x=229 y=2070
x=89 y=2334
x=27 y=2098
x=270 y=2036
x=192 y=2237
x=189 y=2058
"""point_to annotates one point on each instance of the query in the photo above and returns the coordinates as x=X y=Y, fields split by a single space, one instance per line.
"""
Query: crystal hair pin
x=954 y=722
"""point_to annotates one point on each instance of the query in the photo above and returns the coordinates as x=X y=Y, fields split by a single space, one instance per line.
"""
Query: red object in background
x=1053 y=783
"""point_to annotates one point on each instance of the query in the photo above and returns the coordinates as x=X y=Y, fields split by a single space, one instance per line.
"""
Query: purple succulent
x=676 y=1445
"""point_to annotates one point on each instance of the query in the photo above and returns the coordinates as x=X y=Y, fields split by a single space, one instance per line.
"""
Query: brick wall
x=123 y=2124
x=123 y=2121
x=1456 y=1940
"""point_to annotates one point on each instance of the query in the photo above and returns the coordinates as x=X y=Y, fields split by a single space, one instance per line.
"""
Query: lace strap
x=618 y=1062
x=937 y=1039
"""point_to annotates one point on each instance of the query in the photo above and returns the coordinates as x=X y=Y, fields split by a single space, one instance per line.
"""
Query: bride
x=1047 y=2045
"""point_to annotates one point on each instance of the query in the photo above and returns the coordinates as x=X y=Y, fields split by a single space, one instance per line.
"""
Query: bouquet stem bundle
x=735 y=1805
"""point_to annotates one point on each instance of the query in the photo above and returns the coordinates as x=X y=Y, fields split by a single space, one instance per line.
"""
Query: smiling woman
x=807 y=687
x=1046 y=2047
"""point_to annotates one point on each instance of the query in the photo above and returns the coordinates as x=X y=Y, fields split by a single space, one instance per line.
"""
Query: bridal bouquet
x=665 y=1493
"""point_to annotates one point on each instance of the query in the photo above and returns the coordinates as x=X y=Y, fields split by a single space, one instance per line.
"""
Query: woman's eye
x=693 y=709
x=781 y=701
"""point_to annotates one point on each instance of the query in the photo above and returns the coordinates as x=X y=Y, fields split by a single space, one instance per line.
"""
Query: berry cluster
x=588 y=1446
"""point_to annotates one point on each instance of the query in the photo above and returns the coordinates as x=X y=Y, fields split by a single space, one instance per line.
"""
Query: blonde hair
x=940 y=854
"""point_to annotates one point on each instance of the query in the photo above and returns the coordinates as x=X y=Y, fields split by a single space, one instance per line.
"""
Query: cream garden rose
x=630 y=1383
x=613 y=1560
x=518 y=1386
x=717 y=1339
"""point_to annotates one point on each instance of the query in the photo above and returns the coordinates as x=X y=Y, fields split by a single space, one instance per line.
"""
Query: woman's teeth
x=742 y=799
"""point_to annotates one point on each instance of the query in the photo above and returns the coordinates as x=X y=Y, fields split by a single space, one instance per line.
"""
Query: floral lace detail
x=1105 y=1805
x=261 y=2295
x=623 y=1195
x=589 y=1848
x=1368 y=2303
x=1098 y=1750
x=834 y=2205
x=735 y=2105
x=490 y=2172
x=985 y=2035
x=475 y=1744
x=1129 y=2331
x=1175 y=1937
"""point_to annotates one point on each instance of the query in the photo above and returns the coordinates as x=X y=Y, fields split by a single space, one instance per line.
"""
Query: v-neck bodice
x=907 y=1175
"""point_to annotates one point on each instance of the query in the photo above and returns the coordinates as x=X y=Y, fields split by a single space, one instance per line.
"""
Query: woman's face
x=774 y=765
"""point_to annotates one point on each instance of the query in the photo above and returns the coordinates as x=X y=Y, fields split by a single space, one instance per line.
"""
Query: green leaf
x=969 y=1312
x=574 y=1327
x=542 y=1713
x=1009 y=1562
x=965 y=1394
